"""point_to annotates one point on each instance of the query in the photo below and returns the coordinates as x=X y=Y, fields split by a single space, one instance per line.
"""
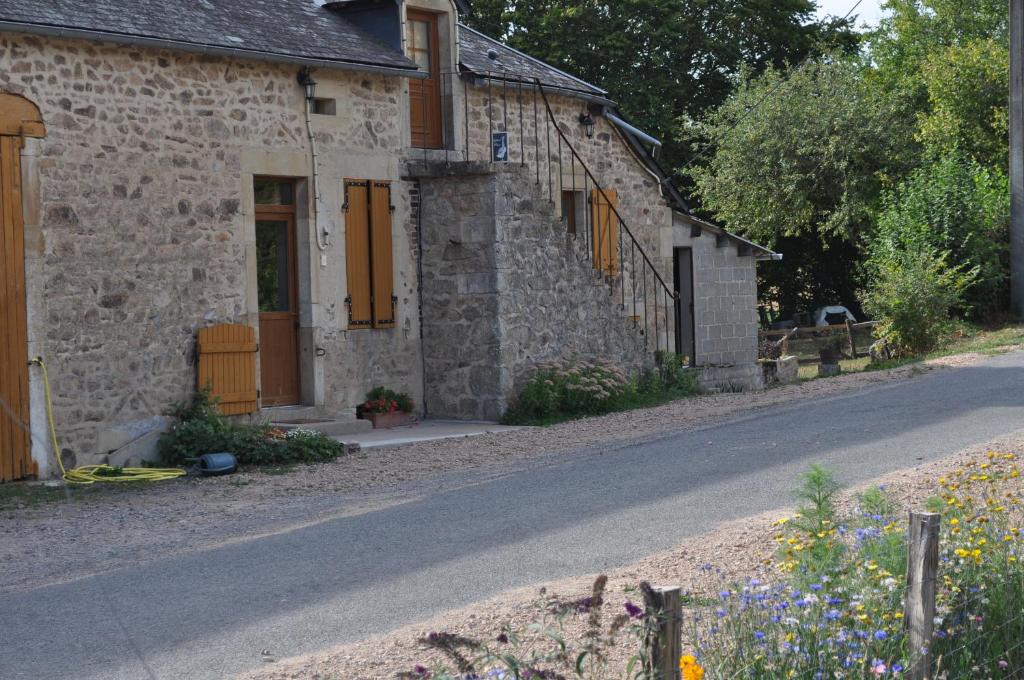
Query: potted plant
x=386 y=408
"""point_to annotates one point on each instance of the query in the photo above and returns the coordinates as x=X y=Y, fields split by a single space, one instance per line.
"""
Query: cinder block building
x=294 y=201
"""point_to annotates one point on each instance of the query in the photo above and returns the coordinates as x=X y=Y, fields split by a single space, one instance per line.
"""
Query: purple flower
x=634 y=611
x=881 y=635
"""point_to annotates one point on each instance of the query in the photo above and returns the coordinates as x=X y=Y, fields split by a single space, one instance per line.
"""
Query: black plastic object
x=214 y=464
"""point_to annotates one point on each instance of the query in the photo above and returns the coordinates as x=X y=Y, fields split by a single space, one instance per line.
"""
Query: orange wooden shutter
x=357 y=254
x=227 y=365
x=15 y=453
x=605 y=230
x=382 y=264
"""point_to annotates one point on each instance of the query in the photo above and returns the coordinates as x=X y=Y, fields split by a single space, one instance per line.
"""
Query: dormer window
x=422 y=46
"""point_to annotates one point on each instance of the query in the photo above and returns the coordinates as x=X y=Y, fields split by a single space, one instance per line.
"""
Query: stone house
x=367 y=192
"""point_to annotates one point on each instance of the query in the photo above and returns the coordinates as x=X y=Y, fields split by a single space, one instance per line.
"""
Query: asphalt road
x=210 y=613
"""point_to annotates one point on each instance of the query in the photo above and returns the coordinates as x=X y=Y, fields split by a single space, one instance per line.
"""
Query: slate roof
x=513 y=64
x=294 y=29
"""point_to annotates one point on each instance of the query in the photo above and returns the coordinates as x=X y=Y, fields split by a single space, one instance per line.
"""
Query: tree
x=968 y=99
x=801 y=158
x=663 y=59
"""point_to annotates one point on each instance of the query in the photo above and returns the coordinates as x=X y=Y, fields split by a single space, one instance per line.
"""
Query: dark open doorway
x=686 y=343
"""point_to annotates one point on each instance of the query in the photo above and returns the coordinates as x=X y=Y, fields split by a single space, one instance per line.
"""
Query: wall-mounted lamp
x=587 y=121
x=308 y=84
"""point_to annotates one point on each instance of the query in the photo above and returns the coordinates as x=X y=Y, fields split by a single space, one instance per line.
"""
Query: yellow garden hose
x=90 y=474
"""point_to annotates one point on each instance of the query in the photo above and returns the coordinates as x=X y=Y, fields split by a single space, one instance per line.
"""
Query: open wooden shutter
x=227 y=365
x=357 y=253
x=382 y=264
x=605 y=229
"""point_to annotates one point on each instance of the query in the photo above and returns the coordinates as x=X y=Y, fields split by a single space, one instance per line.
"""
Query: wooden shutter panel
x=227 y=365
x=382 y=263
x=605 y=229
x=15 y=452
x=357 y=254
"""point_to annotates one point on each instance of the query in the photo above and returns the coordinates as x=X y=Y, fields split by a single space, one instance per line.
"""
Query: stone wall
x=725 y=282
x=506 y=288
x=144 y=226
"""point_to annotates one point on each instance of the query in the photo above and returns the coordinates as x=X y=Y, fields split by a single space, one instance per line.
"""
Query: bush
x=203 y=430
x=571 y=389
x=952 y=205
x=913 y=293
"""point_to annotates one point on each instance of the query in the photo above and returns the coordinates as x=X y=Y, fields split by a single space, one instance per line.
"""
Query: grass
x=21 y=495
x=988 y=342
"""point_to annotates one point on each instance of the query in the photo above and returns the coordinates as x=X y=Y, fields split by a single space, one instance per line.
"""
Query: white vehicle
x=821 y=316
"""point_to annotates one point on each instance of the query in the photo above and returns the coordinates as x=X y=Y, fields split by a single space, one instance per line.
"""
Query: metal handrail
x=498 y=84
x=624 y=227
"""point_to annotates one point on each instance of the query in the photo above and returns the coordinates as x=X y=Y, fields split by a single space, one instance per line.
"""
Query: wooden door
x=15 y=452
x=277 y=283
x=686 y=343
x=425 y=93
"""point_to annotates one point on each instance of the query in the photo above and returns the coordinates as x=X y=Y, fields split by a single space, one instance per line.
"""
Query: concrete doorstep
x=423 y=431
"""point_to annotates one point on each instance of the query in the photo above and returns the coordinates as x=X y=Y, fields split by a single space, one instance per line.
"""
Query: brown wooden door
x=425 y=93
x=277 y=283
x=15 y=453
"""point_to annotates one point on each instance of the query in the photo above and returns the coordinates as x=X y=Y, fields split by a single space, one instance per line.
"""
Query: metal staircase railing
x=647 y=290
x=596 y=242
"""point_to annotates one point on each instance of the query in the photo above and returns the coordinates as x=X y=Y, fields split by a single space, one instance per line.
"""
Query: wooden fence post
x=922 y=569
x=853 y=342
x=665 y=643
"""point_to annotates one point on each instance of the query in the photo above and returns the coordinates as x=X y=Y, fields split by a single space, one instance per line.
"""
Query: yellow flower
x=691 y=670
x=954 y=521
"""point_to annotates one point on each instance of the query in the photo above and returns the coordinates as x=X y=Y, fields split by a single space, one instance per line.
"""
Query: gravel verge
x=90 y=531
x=739 y=549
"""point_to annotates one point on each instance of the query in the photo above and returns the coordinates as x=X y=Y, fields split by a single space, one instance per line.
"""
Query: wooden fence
x=805 y=341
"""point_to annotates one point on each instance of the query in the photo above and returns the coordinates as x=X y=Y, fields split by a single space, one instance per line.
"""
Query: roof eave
x=495 y=76
x=758 y=251
x=200 y=48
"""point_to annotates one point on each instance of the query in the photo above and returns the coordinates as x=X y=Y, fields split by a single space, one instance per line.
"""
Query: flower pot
x=386 y=421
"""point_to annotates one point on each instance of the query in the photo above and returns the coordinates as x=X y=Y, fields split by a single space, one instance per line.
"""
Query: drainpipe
x=419 y=290
x=317 y=231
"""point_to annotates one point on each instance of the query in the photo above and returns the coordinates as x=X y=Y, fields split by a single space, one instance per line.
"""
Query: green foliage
x=811 y=161
x=687 y=54
x=571 y=389
x=383 y=400
x=913 y=294
x=574 y=389
x=202 y=430
x=804 y=173
x=956 y=206
x=968 y=92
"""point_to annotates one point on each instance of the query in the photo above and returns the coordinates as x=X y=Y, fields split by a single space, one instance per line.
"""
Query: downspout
x=322 y=246
x=419 y=292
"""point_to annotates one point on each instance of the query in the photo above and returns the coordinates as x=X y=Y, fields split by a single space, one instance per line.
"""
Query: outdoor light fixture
x=588 y=123
x=307 y=82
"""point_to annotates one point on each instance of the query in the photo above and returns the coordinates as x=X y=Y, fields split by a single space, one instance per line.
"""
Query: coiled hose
x=90 y=474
